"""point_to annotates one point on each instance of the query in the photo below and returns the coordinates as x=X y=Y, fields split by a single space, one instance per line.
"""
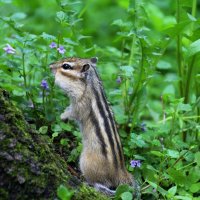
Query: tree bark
x=29 y=166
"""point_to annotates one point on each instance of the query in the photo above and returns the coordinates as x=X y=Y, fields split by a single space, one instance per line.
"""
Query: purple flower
x=119 y=80
x=53 y=45
x=9 y=50
x=44 y=85
x=61 y=50
x=143 y=127
x=135 y=163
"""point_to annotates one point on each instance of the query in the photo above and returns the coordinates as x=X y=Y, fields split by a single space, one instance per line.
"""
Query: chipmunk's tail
x=102 y=188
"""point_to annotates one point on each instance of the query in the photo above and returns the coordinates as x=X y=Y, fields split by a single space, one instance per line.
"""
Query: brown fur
x=96 y=167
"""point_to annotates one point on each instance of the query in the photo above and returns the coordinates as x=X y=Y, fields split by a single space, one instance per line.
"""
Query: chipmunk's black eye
x=66 y=66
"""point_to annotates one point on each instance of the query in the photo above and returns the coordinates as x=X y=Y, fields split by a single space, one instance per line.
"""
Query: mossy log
x=29 y=166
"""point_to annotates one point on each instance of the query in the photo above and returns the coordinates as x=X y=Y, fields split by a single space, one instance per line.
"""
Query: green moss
x=89 y=193
x=29 y=166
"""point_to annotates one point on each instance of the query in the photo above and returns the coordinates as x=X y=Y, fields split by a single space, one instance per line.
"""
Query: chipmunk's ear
x=85 y=67
x=94 y=60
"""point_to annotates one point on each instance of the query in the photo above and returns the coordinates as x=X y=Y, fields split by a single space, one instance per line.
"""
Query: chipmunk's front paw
x=64 y=116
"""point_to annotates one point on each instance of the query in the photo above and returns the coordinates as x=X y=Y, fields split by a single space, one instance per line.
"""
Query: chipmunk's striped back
x=101 y=161
x=109 y=126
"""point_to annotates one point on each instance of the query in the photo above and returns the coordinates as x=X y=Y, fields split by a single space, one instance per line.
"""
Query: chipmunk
x=101 y=161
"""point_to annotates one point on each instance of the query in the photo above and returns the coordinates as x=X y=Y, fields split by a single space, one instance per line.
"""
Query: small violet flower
x=44 y=85
x=135 y=163
x=61 y=50
x=53 y=45
x=9 y=50
x=119 y=80
x=143 y=127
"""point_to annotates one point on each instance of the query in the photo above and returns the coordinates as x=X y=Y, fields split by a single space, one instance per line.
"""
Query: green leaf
x=61 y=17
x=194 y=174
x=64 y=142
x=122 y=189
x=171 y=192
x=140 y=143
x=127 y=70
x=178 y=176
x=163 y=65
x=121 y=23
x=157 y=153
x=18 y=16
x=126 y=196
x=55 y=134
x=5 y=1
x=66 y=126
x=183 y=197
x=186 y=3
x=192 y=18
x=154 y=185
x=197 y=158
x=184 y=107
x=46 y=36
x=151 y=168
x=64 y=193
x=70 y=41
x=172 y=153
x=43 y=130
x=194 y=48
x=195 y=187
x=177 y=28
x=169 y=90
x=56 y=128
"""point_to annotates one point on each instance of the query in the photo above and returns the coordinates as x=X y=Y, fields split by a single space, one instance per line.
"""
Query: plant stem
x=189 y=80
x=189 y=70
x=43 y=100
x=135 y=93
x=198 y=109
x=188 y=117
x=173 y=124
x=24 y=74
x=179 y=50
x=58 y=42
x=130 y=63
x=194 y=7
x=181 y=168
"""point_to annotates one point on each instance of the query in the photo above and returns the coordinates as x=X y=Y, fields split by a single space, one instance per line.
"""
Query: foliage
x=149 y=63
x=64 y=193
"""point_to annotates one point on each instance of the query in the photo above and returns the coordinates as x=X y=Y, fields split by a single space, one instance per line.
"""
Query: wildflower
x=119 y=80
x=44 y=85
x=53 y=45
x=61 y=50
x=135 y=163
x=143 y=127
x=9 y=50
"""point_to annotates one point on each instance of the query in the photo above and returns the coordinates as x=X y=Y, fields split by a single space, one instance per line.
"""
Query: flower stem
x=43 y=100
x=24 y=74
